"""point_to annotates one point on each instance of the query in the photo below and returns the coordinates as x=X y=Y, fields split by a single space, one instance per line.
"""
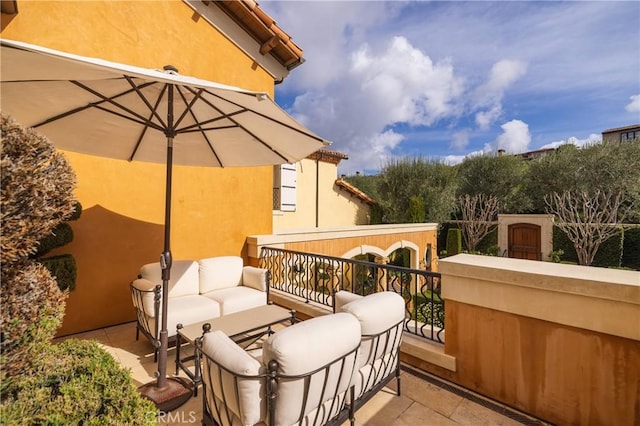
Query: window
x=629 y=136
x=284 y=187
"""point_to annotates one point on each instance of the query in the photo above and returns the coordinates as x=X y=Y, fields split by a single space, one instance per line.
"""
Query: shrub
x=40 y=383
x=37 y=189
x=76 y=382
x=454 y=241
x=416 y=211
x=63 y=268
x=631 y=248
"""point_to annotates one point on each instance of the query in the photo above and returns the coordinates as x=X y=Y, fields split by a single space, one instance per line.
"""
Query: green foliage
x=631 y=248
x=562 y=243
x=75 y=382
x=610 y=252
x=454 y=241
x=376 y=215
x=60 y=236
x=502 y=176
x=32 y=311
x=42 y=383
x=489 y=244
x=63 y=268
x=415 y=212
x=605 y=167
x=556 y=255
x=433 y=181
x=365 y=183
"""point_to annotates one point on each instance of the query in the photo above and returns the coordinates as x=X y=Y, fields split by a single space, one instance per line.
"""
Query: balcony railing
x=314 y=278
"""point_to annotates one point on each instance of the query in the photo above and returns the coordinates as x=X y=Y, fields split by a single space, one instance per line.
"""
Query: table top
x=239 y=322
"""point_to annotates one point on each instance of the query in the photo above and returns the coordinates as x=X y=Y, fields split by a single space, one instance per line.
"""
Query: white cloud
x=487 y=98
x=377 y=70
x=460 y=140
x=514 y=139
x=589 y=140
x=634 y=105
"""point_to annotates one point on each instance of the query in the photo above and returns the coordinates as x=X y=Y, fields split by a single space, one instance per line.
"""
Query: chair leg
x=398 y=378
x=137 y=332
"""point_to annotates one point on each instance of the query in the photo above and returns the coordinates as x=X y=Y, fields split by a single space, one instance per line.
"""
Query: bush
x=76 y=382
x=63 y=268
x=416 y=212
x=41 y=383
x=631 y=248
x=454 y=241
x=60 y=236
x=610 y=252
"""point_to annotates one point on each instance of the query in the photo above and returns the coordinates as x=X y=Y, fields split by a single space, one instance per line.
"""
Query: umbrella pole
x=167 y=394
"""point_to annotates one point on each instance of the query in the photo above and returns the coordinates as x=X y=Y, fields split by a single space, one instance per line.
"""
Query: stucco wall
x=558 y=341
x=122 y=224
x=316 y=190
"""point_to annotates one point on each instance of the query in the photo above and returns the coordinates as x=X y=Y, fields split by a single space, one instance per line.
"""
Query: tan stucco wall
x=350 y=241
x=336 y=207
x=558 y=341
x=121 y=227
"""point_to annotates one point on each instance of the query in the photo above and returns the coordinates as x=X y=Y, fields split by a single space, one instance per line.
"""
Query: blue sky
x=447 y=79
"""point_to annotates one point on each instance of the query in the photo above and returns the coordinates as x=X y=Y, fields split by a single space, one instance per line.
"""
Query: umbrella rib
x=90 y=105
x=263 y=116
x=134 y=115
x=195 y=119
x=243 y=110
x=144 y=99
x=146 y=127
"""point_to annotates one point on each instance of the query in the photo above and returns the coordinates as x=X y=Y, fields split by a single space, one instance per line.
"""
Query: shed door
x=524 y=241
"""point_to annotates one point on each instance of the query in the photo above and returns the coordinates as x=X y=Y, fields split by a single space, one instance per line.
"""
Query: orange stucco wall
x=122 y=224
x=565 y=375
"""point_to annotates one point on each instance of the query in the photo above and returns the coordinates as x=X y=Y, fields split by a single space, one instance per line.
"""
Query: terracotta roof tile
x=354 y=191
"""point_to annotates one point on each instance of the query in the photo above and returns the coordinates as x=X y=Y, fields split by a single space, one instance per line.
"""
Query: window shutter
x=284 y=187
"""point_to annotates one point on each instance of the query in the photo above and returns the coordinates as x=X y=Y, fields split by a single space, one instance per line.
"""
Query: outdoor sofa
x=316 y=372
x=198 y=291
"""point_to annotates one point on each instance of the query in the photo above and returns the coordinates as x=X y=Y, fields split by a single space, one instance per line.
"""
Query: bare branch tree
x=478 y=215
x=588 y=220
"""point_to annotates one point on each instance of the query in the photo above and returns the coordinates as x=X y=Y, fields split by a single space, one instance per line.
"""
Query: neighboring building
x=309 y=195
x=214 y=210
x=621 y=134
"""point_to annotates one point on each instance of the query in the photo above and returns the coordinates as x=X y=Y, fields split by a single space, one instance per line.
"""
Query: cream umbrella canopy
x=113 y=110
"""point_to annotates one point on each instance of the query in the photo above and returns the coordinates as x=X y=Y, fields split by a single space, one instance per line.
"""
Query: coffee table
x=250 y=324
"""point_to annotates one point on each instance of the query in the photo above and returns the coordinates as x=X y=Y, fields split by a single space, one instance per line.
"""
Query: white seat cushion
x=187 y=310
x=220 y=272
x=305 y=347
x=183 y=281
x=237 y=299
x=247 y=403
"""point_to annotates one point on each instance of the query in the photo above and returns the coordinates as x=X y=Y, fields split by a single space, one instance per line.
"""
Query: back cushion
x=376 y=313
x=183 y=280
x=227 y=394
x=305 y=347
x=220 y=272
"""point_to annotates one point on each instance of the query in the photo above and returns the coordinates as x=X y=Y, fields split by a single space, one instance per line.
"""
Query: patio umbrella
x=113 y=110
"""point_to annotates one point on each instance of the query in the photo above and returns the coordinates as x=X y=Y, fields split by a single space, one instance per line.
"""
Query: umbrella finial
x=170 y=69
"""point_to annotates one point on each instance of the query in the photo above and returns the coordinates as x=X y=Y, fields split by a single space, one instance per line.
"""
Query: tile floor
x=425 y=400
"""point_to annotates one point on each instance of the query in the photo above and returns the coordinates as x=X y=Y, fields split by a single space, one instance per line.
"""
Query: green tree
x=501 y=176
x=365 y=183
x=605 y=167
x=432 y=181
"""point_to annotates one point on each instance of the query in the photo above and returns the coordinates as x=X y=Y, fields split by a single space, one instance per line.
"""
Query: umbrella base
x=172 y=395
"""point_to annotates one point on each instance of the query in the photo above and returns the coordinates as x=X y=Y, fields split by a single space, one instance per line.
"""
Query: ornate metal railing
x=314 y=278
